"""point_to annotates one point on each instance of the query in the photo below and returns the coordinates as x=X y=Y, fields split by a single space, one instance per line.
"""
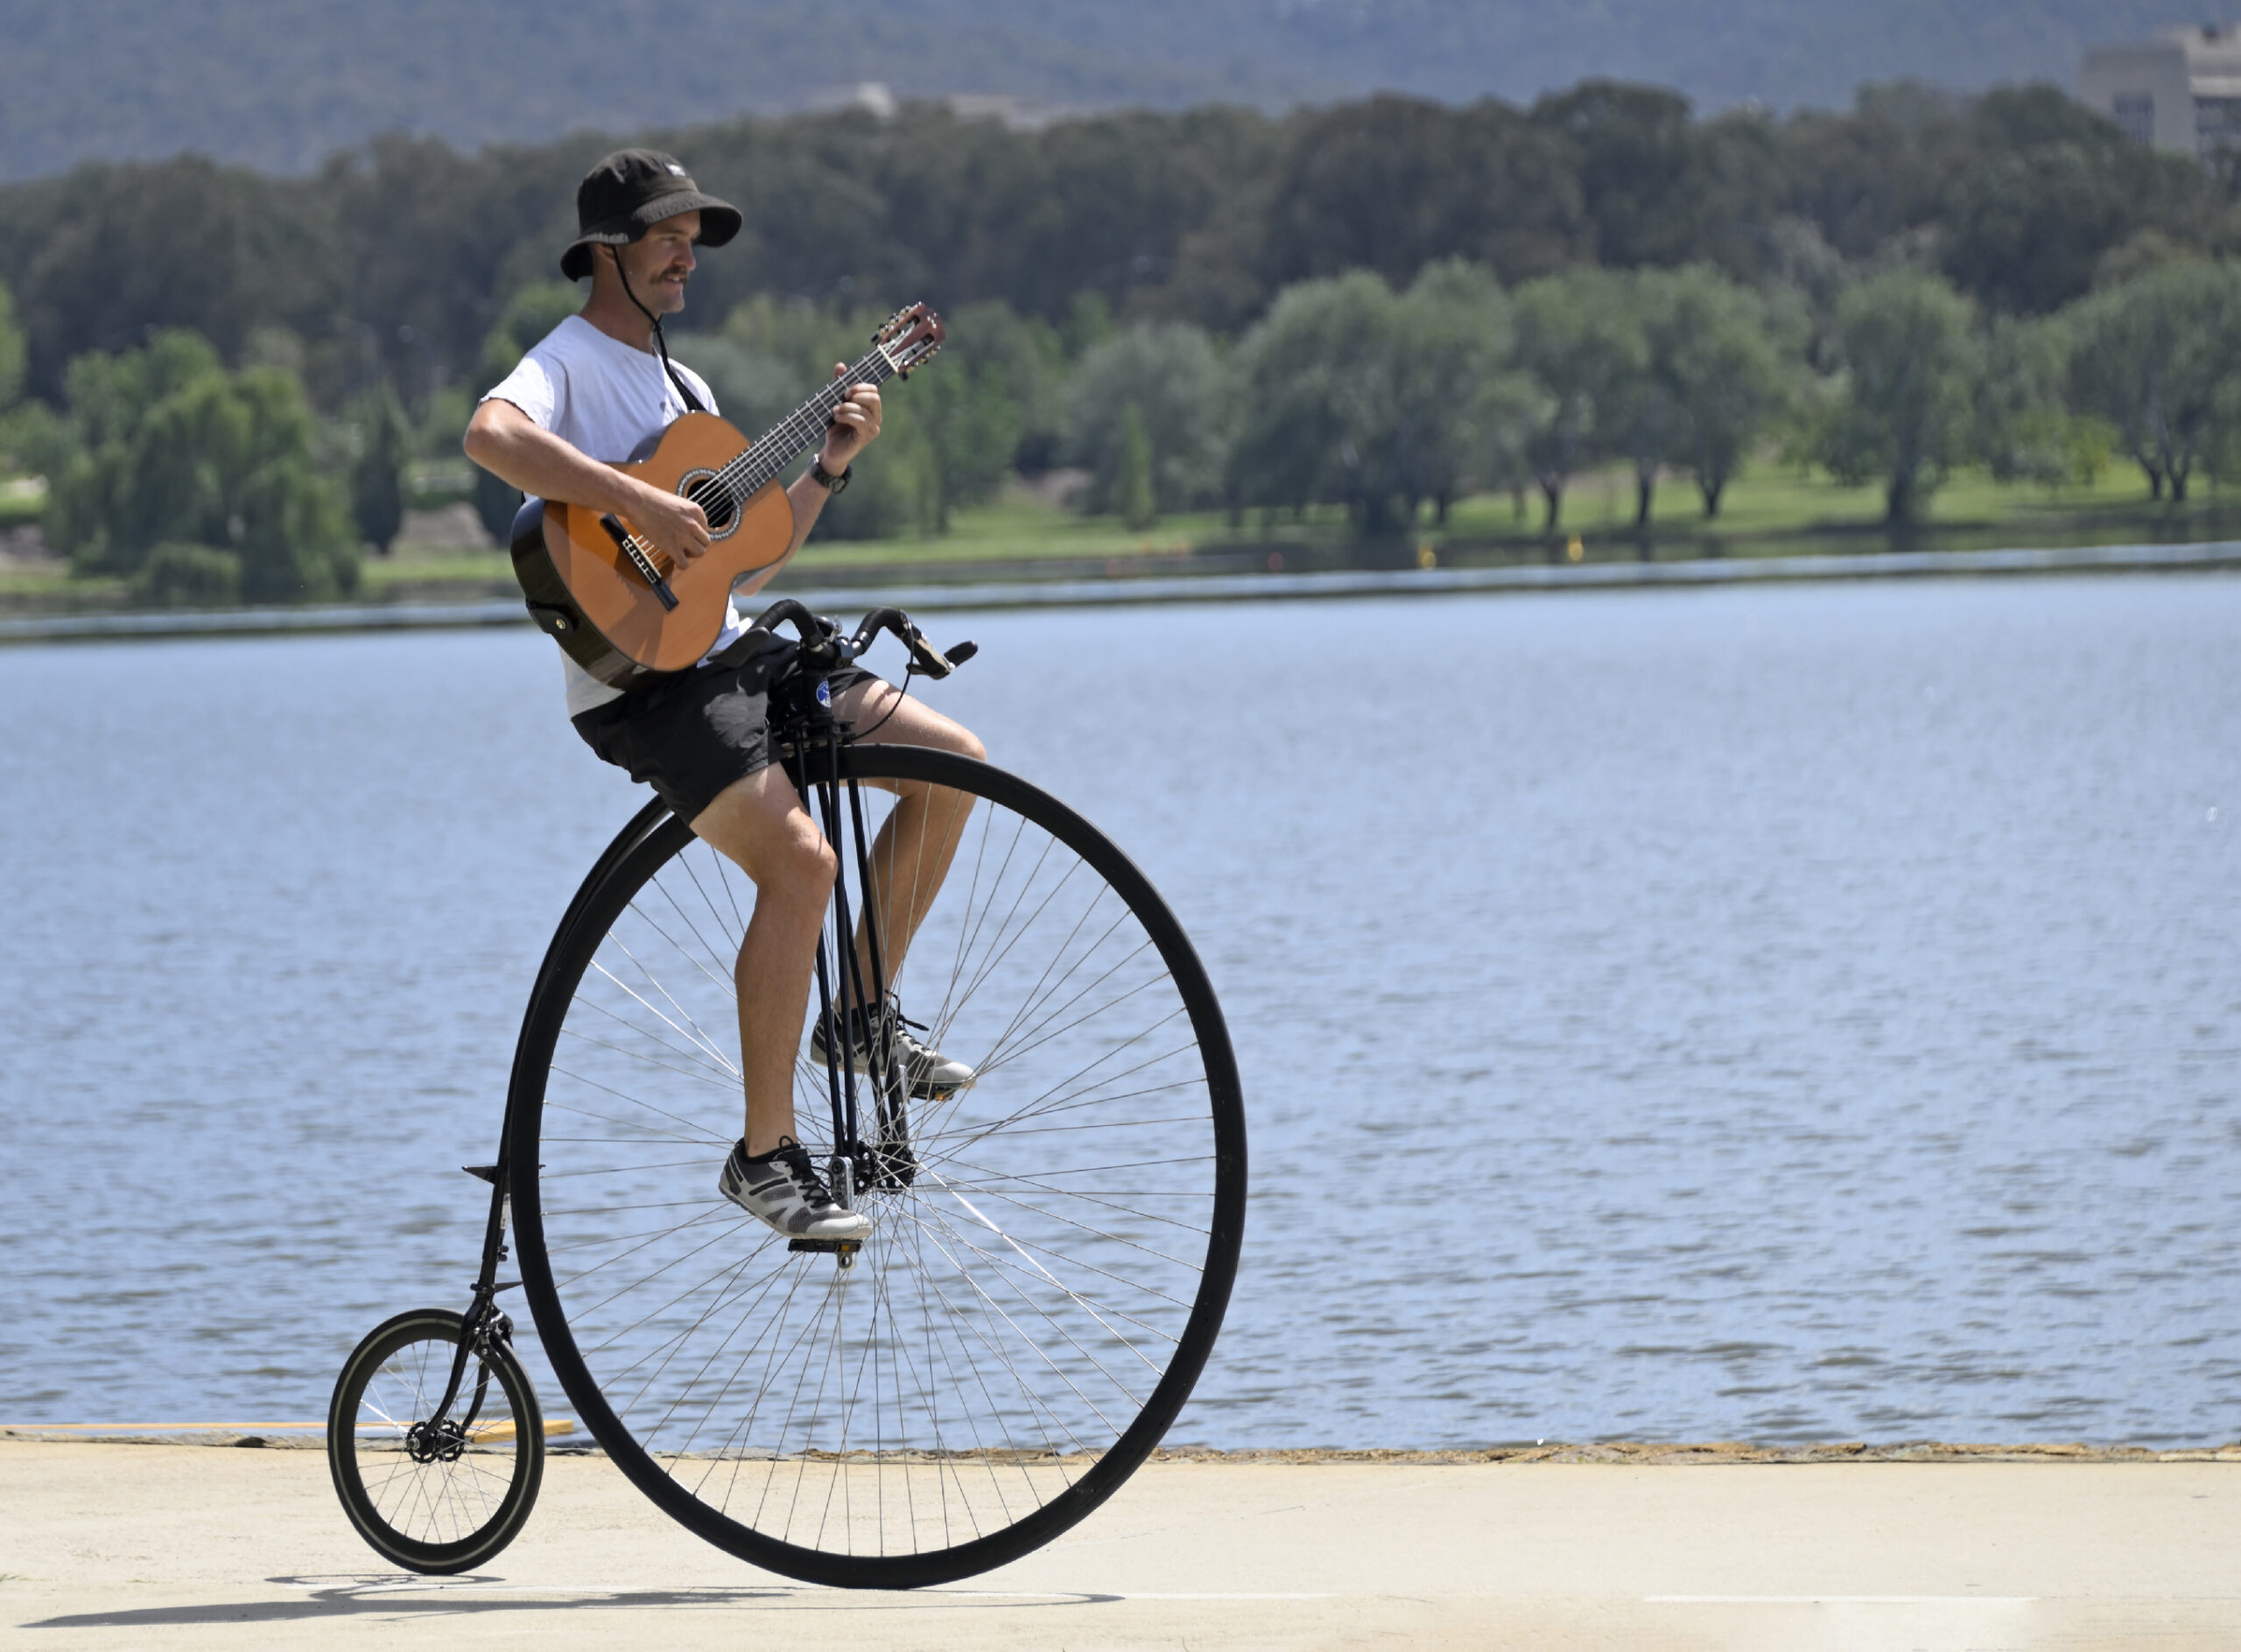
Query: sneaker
x=933 y=1076
x=783 y=1190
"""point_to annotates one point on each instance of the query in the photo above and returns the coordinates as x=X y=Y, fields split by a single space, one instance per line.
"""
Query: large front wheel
x=1042 y=1286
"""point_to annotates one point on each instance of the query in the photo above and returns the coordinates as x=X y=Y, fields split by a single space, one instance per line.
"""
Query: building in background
x=2180 y=90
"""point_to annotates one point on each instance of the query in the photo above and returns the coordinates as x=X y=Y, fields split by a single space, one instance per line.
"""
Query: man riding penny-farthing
x=959 y=1269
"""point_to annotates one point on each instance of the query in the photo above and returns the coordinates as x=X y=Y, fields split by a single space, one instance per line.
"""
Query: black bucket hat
x=632 y=190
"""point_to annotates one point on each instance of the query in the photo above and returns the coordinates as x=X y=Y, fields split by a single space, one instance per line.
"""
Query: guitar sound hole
x=715 y=502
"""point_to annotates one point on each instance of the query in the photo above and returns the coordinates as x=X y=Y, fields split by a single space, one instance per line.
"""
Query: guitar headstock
x=910 y=338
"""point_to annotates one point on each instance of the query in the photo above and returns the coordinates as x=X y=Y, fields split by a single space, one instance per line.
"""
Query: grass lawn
x=1772 y=510
x=1769 y=511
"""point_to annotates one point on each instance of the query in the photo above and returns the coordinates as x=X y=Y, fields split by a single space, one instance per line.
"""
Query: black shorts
x=700 y=731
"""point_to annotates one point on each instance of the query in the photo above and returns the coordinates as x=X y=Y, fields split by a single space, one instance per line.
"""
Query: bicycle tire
x=959 y=1461
x=479 y=1499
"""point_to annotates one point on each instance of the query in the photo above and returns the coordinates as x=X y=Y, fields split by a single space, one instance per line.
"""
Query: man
x=586 y=396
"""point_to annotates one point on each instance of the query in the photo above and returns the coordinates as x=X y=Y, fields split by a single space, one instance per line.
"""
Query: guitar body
x=631 y=616
x=587 y=592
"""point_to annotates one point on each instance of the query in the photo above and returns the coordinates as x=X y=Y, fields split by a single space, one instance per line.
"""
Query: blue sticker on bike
x=825 y=694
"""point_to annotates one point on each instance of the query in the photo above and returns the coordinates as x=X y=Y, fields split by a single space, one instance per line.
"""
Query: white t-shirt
x=603 y=398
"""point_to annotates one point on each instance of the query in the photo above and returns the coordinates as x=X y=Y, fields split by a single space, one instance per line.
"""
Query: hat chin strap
x=661 y=344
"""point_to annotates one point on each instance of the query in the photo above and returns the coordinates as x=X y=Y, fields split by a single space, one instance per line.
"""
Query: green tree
x=1394 y=183
x=1637 y=414
x=1319 y=421
x=2019 y=428
x=2040 y=188
x=1646 y=184
x=1132 y=493
x=1024 y=358
x=295 y=540
x=30 y=435
x=1354 y=394
x=2156 y=357
x=1714 y=347
x=1165 y=379
x=1577 y=340
x=171 y=449
x=963 y=417
x=11 y=352
x=1457 y=404
x=377 y=474
x=1902 y=416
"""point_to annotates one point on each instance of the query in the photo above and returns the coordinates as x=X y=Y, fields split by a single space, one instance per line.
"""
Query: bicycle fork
x=439 y=1436
x=844 y=997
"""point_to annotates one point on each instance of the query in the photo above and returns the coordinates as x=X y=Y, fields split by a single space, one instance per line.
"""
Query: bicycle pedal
x=844 y=1248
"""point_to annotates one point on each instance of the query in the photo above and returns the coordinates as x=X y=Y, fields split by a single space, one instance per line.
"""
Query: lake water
x=1773 y=1014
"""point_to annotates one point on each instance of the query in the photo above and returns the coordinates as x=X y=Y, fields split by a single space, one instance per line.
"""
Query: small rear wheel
x=434 y=1494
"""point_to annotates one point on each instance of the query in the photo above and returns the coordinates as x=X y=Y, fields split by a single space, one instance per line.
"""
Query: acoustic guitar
x=631 y=616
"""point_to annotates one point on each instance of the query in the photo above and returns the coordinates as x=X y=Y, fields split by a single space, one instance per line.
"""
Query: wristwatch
x=826 y=480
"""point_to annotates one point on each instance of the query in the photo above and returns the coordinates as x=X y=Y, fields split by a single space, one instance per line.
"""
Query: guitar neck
x=800 y=430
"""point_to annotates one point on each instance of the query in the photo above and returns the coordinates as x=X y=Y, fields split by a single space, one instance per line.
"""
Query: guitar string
x=784 y=441
x=787 y=439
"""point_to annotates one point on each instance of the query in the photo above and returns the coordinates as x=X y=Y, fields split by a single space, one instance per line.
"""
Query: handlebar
x=823 y=648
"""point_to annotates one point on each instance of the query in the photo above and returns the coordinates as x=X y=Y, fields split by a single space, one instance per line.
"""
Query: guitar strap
x=661 y=344
x=675 y=377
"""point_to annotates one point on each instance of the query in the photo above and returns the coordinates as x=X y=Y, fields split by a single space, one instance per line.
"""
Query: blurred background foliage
x=1383 y=306
x=281 y=84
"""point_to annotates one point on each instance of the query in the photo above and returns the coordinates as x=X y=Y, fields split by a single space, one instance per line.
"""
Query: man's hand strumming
x=673 y=524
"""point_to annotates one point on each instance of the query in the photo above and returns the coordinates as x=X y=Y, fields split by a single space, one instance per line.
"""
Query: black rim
x=452 y=1510
x=1032 y=1309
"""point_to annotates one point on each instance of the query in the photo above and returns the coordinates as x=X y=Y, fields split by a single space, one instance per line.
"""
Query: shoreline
x=563 y=1440
x=2220 y=555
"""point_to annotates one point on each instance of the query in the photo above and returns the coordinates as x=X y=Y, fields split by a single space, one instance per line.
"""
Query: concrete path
x=161 y=1546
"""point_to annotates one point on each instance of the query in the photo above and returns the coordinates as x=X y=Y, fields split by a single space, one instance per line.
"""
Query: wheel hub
x=438 y=1441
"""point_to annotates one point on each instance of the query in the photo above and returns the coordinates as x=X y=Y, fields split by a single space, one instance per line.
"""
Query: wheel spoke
x=446 y=1509
x=1049 y=1277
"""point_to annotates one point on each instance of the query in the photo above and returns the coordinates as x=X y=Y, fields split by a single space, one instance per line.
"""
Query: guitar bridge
x=639 y=560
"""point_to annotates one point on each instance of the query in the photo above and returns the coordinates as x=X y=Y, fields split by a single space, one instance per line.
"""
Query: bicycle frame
x=806 y=730
x=483 y=1319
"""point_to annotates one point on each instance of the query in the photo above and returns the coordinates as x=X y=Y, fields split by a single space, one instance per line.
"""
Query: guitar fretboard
x=791 y=436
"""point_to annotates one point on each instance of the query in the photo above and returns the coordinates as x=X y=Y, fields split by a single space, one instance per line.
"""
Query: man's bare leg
x=759 y=824
x=911 y=852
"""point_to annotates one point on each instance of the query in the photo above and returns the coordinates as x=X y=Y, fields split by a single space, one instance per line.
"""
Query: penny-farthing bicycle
x=1053 y=1246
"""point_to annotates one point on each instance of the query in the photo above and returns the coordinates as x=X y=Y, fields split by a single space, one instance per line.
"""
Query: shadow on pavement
x=404 y=1595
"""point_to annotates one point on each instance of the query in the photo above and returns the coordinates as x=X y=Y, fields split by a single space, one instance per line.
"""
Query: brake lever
x=926 y=660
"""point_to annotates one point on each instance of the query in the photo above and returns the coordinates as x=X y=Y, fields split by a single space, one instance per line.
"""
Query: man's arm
x=510 y=445
x=855 y=425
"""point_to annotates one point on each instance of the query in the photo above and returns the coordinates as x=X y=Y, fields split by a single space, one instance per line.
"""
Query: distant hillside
x=278 y=84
